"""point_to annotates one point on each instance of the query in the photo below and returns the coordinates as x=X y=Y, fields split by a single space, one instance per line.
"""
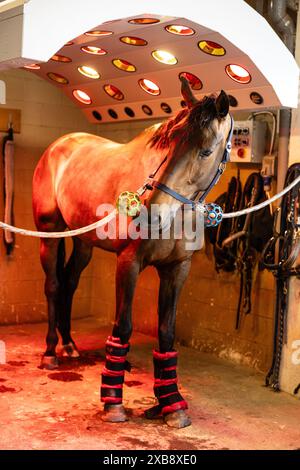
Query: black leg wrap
x=165 y=385
x=114 y=371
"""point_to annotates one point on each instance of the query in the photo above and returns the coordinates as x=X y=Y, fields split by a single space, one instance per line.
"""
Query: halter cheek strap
x=221 y=168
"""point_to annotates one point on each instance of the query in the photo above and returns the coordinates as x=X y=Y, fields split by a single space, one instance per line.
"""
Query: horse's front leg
x=117 y=345
x=171 y=405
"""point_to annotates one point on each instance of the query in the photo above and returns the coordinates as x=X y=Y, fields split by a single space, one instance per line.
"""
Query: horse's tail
x=46 y=212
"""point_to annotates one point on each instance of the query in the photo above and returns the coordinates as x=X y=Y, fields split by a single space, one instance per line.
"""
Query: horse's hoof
x=70 y=350
x=178 y=419
x=114 y=414
x=49 y=362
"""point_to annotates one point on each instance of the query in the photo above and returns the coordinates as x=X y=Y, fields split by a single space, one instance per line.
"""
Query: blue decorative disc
x=212 y=215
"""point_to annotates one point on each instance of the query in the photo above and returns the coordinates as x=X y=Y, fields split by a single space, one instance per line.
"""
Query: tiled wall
x=46 y=115
x=209 y=304
x=206 y=314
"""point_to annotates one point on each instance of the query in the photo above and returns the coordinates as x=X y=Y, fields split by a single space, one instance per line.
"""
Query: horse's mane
x=186 y=125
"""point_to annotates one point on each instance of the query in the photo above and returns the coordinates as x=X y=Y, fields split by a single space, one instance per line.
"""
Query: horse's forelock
x=186 y=124
x=203 y=113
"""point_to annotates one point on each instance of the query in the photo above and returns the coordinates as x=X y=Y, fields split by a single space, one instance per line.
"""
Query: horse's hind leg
x=171 y=404
x=48 y=254
x=69 y=276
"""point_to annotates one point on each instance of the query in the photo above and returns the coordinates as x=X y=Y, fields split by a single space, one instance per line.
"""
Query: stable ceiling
x=118 y=63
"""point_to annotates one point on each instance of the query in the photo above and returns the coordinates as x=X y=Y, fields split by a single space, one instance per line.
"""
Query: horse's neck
x=143 y=154
x=174 y=172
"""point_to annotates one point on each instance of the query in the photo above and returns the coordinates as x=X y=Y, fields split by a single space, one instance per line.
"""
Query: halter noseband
x=152 y=183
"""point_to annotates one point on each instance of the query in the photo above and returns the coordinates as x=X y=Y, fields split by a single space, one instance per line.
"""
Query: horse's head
x=196 y=138
x=206 y=129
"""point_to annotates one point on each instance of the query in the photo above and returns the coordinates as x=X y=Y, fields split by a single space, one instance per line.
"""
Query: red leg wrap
x=165 y=384
x=114 y=371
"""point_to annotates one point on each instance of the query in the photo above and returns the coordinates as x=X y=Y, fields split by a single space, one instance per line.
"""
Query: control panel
x=248 y=141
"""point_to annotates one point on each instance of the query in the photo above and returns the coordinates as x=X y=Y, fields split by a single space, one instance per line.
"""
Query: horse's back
x=51 y=167
x=63 y=148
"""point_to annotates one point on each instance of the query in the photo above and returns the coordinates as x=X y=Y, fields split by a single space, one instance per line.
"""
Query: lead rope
x=111 y=216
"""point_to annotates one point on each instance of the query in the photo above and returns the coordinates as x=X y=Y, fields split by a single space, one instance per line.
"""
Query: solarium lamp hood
x=119 y=63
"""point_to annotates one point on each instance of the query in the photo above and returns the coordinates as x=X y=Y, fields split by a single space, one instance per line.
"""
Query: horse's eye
x=205 y=153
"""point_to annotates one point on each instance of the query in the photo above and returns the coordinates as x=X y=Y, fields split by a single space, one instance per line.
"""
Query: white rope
x=109 y=217
x=229 y=215
x=68 y=233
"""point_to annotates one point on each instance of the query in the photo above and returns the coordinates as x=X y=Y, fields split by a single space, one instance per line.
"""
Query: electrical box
x=248 y=141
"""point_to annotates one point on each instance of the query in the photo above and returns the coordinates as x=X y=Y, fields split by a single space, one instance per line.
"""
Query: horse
x=77 y=173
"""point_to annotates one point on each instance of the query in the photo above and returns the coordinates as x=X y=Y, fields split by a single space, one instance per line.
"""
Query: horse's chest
x=163 y=251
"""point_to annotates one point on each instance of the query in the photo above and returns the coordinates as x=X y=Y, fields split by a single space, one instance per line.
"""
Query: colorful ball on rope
x=212 y=215
x=129 y=203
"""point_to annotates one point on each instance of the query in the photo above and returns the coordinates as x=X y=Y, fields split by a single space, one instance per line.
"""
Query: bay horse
x=80 y=171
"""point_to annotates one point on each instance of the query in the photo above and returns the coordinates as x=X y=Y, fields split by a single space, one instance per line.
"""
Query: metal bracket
x=10 y=117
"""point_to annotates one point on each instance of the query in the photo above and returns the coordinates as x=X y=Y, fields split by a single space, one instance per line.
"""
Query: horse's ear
x=222 y=104
x=187 y=94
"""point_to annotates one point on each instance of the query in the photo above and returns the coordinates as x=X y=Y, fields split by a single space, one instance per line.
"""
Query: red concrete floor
x=229 y=406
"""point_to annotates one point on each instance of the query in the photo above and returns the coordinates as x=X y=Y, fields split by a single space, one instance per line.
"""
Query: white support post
x=2 y=92
x=290 y=365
